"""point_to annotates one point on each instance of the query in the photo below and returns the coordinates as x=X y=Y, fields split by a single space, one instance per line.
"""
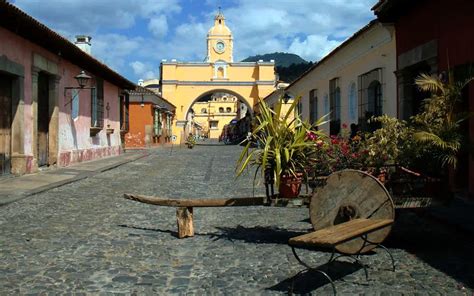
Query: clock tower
x=219 y=41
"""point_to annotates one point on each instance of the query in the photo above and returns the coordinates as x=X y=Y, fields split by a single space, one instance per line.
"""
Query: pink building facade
x=45 y=119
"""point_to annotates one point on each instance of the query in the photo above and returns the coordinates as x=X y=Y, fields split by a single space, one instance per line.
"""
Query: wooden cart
x=344 y=195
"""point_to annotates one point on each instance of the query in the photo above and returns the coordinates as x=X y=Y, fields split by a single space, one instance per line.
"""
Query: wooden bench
x=184 y=207
x=333 y=236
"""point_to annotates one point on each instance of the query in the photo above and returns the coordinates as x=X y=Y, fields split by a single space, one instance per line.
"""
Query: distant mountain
x=289 y=66
x=282 y=59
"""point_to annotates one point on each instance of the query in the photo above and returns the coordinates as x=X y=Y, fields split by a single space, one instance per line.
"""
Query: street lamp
x=82 y=79
x=287 y=97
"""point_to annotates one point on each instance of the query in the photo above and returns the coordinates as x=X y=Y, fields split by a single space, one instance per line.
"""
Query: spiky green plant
x=438 y=126
x=283 y=145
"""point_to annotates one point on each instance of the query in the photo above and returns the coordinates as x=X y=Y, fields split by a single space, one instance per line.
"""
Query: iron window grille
x=97 y=104
x=334 y=107
x=157 y=122
x=124 y=113
x=313 y=105
x=370 y=98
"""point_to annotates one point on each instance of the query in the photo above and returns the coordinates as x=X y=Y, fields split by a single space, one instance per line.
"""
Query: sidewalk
x=16 y=188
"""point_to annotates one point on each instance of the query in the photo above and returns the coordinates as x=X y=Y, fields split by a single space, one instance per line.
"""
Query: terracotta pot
x=382 y=177
x=290 y=185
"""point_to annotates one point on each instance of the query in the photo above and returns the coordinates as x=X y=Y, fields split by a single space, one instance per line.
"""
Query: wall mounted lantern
x=287 y=97
x=142 y=103
x=82 y=79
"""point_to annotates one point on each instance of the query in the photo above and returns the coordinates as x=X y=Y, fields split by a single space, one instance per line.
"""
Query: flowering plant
x=338 y=152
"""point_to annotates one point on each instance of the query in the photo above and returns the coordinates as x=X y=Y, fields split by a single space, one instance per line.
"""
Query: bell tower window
x=220 y=70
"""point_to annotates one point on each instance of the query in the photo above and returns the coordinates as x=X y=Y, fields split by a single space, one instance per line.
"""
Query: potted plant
x=190 y=141
x=282 y=146
x=438 y=127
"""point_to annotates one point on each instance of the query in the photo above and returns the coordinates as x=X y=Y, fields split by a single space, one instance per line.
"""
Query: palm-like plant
x=282 y=141
x=439 y=123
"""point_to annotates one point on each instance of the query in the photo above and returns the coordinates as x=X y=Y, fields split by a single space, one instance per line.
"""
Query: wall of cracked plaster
x=73 y=139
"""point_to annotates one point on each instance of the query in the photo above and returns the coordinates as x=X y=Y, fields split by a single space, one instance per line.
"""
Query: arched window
x=220 y=69
x=228 y=109
x=220 y=72
x=203 y=110
x=371 y=105
x=221 y=110
x=370 y=99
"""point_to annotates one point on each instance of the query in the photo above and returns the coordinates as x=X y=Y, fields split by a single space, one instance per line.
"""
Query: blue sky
x=132 y=37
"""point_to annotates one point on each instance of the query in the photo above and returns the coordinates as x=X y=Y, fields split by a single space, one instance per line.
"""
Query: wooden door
x=43 y=119
x=5 y=123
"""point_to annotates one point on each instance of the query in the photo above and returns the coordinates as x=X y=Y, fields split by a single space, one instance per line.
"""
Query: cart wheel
x=347 y=195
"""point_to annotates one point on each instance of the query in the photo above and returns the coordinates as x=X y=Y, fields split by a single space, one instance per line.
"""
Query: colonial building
x=213 y=114
x=433 y=37
x=186 y=83
x=49 y=114
x=352 y=83
x=151 y=117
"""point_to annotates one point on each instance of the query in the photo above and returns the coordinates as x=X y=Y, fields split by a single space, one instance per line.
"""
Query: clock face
x=220 y=46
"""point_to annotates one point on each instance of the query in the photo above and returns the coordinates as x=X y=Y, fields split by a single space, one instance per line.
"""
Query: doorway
x=43 y=119
x=5 y=123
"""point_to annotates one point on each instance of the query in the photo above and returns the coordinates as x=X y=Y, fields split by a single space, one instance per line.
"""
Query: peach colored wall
x=74 y=135
x=139 y=117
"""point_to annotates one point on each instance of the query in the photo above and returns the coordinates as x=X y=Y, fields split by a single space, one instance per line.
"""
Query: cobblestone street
x=85 y=237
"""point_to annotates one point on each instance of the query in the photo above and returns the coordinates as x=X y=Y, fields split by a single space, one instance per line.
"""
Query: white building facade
x=352 y=83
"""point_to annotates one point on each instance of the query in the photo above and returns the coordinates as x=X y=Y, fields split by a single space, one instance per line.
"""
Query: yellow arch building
x=186 y=83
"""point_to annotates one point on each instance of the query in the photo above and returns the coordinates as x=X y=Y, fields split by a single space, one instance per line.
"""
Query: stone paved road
x=85 y=238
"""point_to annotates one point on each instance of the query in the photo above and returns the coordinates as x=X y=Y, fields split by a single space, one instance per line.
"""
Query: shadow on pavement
x=436 y=244
x=173 y=233
x=256 y=235
x=307 y=281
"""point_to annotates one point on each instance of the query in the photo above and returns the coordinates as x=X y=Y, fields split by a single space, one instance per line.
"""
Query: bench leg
x=184 y=217
x=309 y=268
x=356 y=260
x=378 y=245
x=389 y=253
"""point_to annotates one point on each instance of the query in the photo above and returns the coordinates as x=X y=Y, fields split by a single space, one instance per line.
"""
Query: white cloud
x=121 y=29
x=314 y=47
x=143 y=71
x=114 y=49
x=158 y=25
x=86 y=16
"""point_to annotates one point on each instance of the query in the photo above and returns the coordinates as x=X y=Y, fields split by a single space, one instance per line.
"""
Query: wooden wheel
x=347 y=195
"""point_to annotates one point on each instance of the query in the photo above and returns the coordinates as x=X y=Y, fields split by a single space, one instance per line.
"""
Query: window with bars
x=334 y=107
x=157 y=122
x=313 y=105
x=370 y=98
x=124 y=113
x=97 y=104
